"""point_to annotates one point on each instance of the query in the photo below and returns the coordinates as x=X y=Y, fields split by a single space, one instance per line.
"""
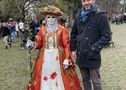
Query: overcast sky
x=121 y=1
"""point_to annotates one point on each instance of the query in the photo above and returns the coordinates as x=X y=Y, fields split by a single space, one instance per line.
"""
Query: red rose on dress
x=53 y=75
x=45 y=78
x=69 y=62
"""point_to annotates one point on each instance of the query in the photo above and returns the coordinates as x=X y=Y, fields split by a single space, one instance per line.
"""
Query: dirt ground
x=14 y=64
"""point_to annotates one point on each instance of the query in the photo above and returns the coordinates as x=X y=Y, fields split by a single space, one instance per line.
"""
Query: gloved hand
x=65 y=66
x=30 y=44
x=66 y=63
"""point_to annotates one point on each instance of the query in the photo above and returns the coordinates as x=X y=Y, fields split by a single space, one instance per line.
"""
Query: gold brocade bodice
x=51 y=40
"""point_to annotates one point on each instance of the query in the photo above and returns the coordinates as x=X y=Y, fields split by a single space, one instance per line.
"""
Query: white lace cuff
x=67 y=62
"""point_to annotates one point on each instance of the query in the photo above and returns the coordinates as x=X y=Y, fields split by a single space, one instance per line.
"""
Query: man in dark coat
x=90 y=33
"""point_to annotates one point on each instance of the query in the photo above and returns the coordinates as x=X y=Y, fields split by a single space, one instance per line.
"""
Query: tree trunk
x=23 y=14
x=124 y=6
x=71 y=18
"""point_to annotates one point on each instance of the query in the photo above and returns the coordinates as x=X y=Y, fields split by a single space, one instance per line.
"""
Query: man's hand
x=73 y=56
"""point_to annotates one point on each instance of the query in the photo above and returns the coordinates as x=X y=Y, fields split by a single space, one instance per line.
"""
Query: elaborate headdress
x=51 y=10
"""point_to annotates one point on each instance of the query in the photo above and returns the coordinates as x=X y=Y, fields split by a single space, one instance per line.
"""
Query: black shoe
x=9 y=44
x=6 y=47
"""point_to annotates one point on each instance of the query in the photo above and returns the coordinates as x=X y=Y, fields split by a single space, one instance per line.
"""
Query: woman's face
x=87 y=4
x=51 y=19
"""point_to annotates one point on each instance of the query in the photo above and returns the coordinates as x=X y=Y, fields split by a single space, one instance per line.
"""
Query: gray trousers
x=91 y=79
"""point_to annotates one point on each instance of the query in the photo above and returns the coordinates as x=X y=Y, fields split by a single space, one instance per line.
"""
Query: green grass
x=14 y=67
x=113 y=69
x=14 y=64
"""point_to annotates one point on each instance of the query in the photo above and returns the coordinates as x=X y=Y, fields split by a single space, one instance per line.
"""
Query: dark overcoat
x=89 y=42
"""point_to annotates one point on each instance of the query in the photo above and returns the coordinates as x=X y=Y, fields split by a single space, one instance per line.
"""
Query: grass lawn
x=14 y=64
x=113 y=70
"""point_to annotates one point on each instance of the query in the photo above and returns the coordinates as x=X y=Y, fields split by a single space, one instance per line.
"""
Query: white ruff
x=51 y=65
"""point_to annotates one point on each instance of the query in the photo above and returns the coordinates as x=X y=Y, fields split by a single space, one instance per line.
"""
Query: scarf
x=84 y=14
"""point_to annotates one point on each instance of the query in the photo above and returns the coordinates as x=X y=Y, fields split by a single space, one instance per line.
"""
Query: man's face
x=51 y=19
x=87 y=4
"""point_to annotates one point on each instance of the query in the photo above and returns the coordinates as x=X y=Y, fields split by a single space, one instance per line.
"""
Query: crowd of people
x=11 y=29
x=118 y=19
x=8 y=32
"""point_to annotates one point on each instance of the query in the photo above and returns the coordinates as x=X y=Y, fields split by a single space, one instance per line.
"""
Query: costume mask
x=51 y=19
x=52 y=22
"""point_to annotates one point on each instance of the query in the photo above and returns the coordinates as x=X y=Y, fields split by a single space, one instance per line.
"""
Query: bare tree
x=124 y=6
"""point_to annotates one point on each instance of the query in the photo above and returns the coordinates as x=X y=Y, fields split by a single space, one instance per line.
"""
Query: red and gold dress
x=49 y=73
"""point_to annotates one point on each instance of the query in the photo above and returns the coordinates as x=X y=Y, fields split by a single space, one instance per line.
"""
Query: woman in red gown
x=53 y=69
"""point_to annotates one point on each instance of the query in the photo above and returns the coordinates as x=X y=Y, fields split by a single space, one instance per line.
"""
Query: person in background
x=17 y=29
x=12 y=28
x=0 y=29
x=5 y=34
x=34 y=26
x=90 y=33
x=24 y=37
x=21 y=26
